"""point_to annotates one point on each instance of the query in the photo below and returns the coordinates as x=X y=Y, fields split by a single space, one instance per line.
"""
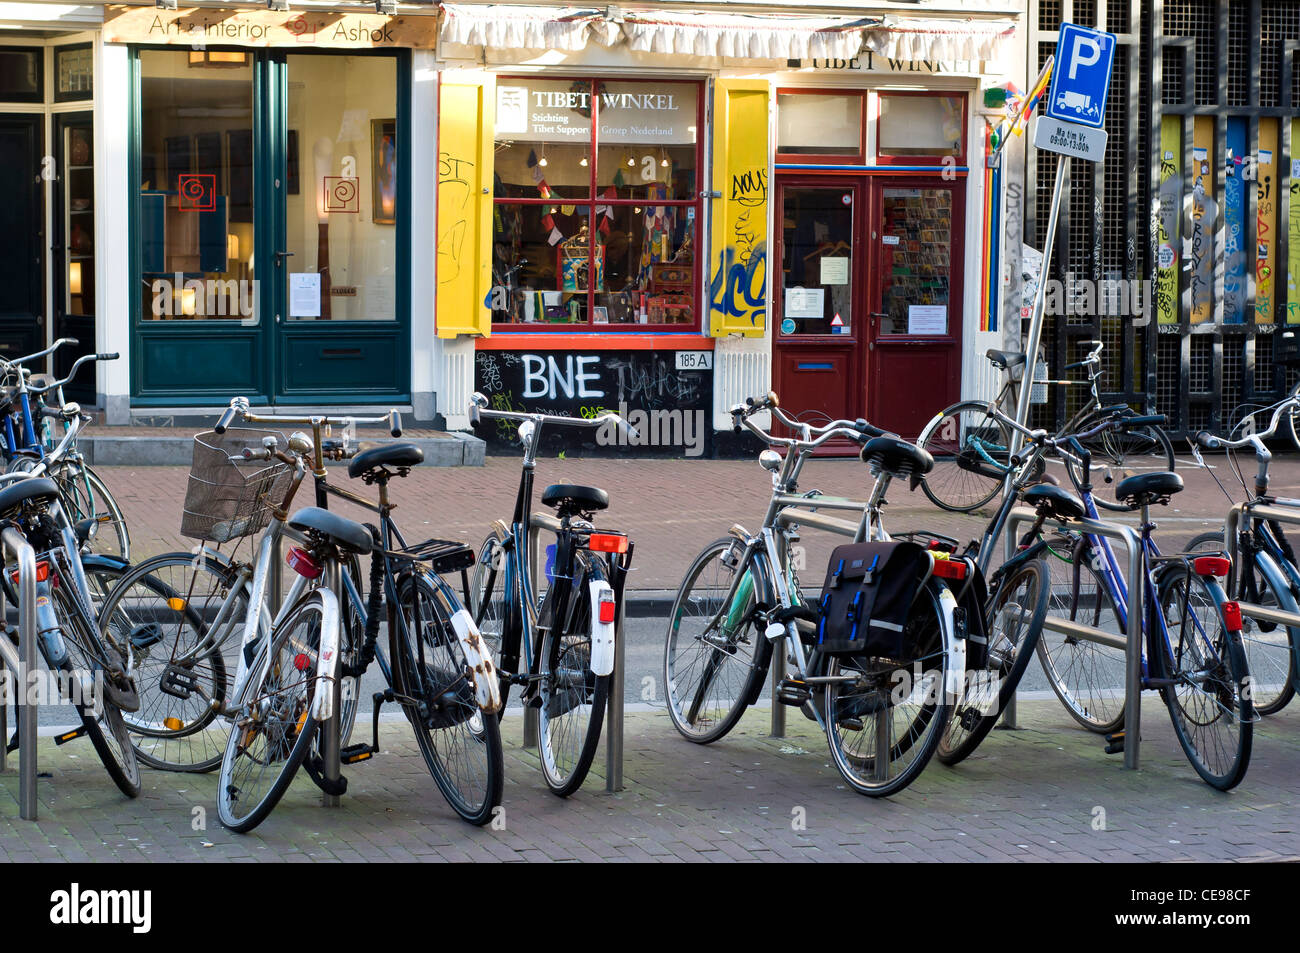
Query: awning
x=745 y=36
x=515 y=27
x=916 y=38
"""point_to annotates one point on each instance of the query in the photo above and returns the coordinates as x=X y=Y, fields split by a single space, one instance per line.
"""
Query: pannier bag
x=867 y=597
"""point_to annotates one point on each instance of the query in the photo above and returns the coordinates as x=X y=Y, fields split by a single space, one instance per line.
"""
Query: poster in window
x=383 y=149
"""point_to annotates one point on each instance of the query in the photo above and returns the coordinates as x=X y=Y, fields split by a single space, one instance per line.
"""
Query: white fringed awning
x=509 y=27
x=744 y=36
x=915 y=38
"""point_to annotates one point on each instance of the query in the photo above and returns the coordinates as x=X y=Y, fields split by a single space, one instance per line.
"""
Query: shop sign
x=869 y=61
x=199 y=27
x=633 y=113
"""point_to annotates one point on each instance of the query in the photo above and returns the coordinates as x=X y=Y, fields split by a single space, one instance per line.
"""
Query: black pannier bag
x=868 y=596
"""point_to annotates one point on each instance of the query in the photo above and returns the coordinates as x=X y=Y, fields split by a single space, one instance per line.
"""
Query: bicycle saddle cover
x=345 y=533
x=584 y=498
x=1054 y=501
x=1146 y=488
x=385 y=455
x=1004 y=359
x=896 y=456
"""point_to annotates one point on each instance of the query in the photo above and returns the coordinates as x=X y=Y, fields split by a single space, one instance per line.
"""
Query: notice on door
x=304 y=294
x=927 y=319
x=805 y=303
x=835 y=271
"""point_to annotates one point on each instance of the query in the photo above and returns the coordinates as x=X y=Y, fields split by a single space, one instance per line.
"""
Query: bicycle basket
x=226 y=500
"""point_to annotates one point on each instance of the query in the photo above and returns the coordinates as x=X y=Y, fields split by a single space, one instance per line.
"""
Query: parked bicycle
x=971 y=441
x=564 y=639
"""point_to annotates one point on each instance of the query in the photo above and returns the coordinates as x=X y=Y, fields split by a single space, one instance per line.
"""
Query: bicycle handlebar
x=76 y=366
x=18 y=361
x=1212 y=442
x=478 y=409
x=239 y=408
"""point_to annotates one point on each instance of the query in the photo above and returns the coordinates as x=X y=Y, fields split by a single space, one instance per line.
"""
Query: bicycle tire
x=164 y=608
x=1206 y=705
x=487 y=605
x=1120 y=454
x=1268 y=661
x=1291 y=424
x=948 y=485
x=700 y=713
x=875 y=711
x=112 y=536
x=283 y=728
x=571 y=713
x=443 y=710
x=1013 y=632
x=1075 y=669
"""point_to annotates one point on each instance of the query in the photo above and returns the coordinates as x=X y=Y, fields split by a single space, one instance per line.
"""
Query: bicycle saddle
x=1053 y=501
x=1147 y=488
x=385 y=455
x=342 y=532
x=1004 y=359
x=896 y=456
x=23 y=490
x=574 y=497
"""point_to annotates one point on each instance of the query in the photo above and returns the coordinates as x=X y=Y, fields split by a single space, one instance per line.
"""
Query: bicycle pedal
x=178 y=682
x=851 y=724
x=358 y=752
x=1115 y=743
x=793 y=692
x=72 y=735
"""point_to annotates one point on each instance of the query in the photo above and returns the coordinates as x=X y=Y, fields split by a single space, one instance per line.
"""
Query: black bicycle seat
x=1147 y=488
x=23 y=490
x=896 y=456
x=571 y=496
x=385 y=455
x=342 y=532
x=1004 y=359
x=1053 y=501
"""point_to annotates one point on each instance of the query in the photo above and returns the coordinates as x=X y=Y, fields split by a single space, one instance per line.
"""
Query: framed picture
x=383 y=164
x=600 y=315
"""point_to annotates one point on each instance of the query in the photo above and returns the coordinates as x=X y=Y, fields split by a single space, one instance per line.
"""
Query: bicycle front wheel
x=883 y=722
x=971 y=450
x=461 y=745
x=715 y=658
x=1016 y=613
x=572 y=695
x=1206 y=669
x=88 y=497
x=274 y=728
x=1117 y=454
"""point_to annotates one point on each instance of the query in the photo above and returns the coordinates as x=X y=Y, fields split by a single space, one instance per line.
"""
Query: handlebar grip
x=1207 y=440
x=107 y=357
x=73 y=341
x=1158 y=420
x=225 y=420
x=394 y=423
x=863 y=427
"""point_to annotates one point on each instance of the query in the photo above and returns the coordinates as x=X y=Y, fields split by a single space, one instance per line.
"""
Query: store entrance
x=22 y=222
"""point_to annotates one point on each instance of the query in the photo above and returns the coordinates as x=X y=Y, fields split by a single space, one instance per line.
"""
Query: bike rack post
x=536 y=524
x=1231 y=529
x=1132 y=640
x=1008 y=722
x=777 y=669
x=331 y=746
x=22 y=663
x=614 y=704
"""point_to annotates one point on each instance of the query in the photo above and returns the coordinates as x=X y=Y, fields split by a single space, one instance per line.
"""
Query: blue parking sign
x=1081 y=76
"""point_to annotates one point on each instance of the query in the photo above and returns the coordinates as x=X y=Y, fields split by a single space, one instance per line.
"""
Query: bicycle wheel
x=460 y=744
x=713 y=672
x=102 y=719
x=488 y=606
x=1016 y=613
x=87 y=497
x=1292 y=426
x=884 y=726
x=183 y=619
x=971 y=451
x=573 y=697
x=274 y=728
x=1206 y=666
x=1086 y=676
x=1117 y=454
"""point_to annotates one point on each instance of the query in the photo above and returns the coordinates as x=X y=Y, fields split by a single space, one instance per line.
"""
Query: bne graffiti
x=544 y=377
x=211 y=297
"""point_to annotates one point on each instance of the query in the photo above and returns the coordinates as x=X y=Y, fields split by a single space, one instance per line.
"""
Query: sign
x=318 y=29
x=805 y=303
x=695 y=360
x=835 y=270
x=304 y=294
x=1081 y=76
x=1067 y=138
x=927 y=319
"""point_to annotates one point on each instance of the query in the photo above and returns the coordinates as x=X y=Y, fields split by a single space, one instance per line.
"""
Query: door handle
x=280 y=256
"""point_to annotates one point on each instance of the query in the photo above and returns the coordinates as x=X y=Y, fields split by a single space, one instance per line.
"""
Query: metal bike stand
x=23 y=662
x=537 y=523
x=1131 y=641
x=777 y=668
x=1008 y=721
x=331 y=746
x=1231 y=528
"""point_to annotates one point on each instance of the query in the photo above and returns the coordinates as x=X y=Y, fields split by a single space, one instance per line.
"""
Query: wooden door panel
x=915 y=383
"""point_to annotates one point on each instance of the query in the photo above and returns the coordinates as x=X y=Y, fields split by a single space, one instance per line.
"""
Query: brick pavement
x=1028 y=795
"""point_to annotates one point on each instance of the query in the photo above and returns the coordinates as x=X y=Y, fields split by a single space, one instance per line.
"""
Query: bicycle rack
x=1131 y=641
x=614 y=703
x=1231 y=528
x=21 y=662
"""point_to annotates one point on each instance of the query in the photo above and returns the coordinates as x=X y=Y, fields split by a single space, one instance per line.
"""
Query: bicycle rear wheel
x=885 y=724
x=713 y=673
x=1207 y=667
x=460 y=743
x=1117 y=454
x=971 y=450
x=1016 y=613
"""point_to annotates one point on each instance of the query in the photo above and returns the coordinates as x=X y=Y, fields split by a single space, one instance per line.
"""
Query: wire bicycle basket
x=225 y=500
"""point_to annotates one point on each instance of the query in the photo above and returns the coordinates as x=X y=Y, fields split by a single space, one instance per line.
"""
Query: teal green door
x=271 y=234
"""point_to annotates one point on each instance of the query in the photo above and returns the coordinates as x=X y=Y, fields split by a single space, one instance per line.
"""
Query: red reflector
x=1232 y=616
x=940 y=546
x=607 y=543
x=301 y=662
x=1212 y=565
x=607 y=609
x=950 y=568
x=42 y=572
x=300 y=561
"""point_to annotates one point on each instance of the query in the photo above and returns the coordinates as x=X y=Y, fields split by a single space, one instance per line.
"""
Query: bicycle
x=1265 y=574
x=1193 y=649
x=741 y=597
x=971 y=440
x=565 y=638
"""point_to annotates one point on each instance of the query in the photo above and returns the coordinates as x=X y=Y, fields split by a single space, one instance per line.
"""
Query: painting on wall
x=383 y=162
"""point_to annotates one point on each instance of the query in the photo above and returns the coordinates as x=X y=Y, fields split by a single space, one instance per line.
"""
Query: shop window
x=815 y=126
x=20 y=75
x=921 y=129
x=74 y=72
x=596 y=203
x=917 y=245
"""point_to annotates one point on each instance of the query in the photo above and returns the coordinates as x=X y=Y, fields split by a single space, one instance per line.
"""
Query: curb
x=453 y=450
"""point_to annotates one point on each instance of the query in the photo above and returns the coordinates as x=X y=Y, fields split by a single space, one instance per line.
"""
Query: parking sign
x=1081 y=76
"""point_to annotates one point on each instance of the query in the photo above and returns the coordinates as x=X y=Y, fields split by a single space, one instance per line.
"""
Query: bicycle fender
x=602 y=633
x=954 y=648
x=104 y=561
x=47 y=627
x=487 y=686
x=327 y=676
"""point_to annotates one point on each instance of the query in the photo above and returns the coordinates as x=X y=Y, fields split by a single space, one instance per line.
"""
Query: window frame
x=593 y=199
x=38 y=97
x=828 y=158
x=935 y=159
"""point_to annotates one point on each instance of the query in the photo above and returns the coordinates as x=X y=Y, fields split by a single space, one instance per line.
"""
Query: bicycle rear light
x=1212 y=565
x=607 y=607
x=1232 y=616
x=942 y=546
x=300 y=561
x=42 y=571
x=950 y=568
x=607 y=543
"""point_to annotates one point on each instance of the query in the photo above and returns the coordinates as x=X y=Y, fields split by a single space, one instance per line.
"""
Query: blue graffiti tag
x=736 y=288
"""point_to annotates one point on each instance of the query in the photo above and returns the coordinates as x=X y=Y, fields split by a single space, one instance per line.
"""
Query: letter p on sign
x=1087 y=51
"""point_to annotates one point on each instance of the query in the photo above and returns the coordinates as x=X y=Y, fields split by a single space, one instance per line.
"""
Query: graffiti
x=1201 y=214
x=489 y=373
x=1234 y=279
x=736 y=288
x=652 y=382
x=453 y=176
x=1293 y=253
x=750 y=188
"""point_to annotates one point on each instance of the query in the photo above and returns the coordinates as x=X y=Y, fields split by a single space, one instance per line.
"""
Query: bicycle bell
x=299 y=442
x=770 y=460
